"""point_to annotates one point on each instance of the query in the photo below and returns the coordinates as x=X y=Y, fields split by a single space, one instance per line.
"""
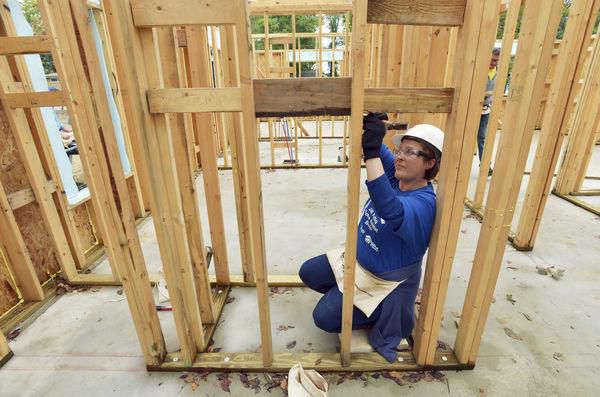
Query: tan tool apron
x=369 y=290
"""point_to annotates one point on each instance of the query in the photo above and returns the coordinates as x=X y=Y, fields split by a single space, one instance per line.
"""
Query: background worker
x=487 y=103
x=393 y=235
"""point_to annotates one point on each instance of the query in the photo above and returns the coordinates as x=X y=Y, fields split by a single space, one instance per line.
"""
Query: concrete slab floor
x=86 y=344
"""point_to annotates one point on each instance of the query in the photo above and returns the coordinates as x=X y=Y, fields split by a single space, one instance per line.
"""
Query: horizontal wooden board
x=194 y=100
x=281 y=40
x=302 y=97
x=282 y=69
x=24 y=45
x=319 y=361
x=287 y=7
x=417 y=12
x=35 y=99
x=23 y=197
x=149 y=13
x=409 y=100
x=326 y=96
x=274 y=280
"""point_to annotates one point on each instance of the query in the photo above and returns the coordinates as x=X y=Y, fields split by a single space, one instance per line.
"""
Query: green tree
x=283 y=24
x=334 y=24
x=33 y=16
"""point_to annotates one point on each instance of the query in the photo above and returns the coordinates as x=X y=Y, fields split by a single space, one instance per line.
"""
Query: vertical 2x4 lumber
x=85 y=112
x=475 y=39
x=574 y=46
x=140 y=188
x=169 y=61
x=507 y=40
x=35 y=170
x=249 y=137
x=581 y=141
x=101 y=113
x=26 y=280
x=359 y=29
x=538 y=30
x=132 y=273
x=134 y=276
x=37 y=177
x=200 y=77
x=169 y=217
x=238 y=159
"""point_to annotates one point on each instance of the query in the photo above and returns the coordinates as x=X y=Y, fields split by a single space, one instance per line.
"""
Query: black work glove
x=374 y=131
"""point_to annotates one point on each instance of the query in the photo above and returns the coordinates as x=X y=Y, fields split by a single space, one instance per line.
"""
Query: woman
x=393 y=235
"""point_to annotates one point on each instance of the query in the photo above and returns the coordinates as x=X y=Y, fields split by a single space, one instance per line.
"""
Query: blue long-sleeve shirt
x=395 y=225
x=393 y=235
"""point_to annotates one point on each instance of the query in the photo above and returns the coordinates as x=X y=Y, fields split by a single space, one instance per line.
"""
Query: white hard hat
x=424 y=132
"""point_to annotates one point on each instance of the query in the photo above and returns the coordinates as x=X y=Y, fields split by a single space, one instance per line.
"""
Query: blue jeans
x=481 y=133
x=316 y=273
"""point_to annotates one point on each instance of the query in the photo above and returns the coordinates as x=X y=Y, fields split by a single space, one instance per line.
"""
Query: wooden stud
x=271 y=141
x=320 y=47
x=38 y=129
x=574 y=45
x=172 y=79
x=502 y=74
x=294 y=42
x=450 y=65
x=440 y=45
x=296 y=159
x=131 y=127
x=267 y=45
x=583 y=132
x=13 y=246
x=133 y=274
x=238 y=160
x=255 y=208
x=42 y=191
x=359 y=27
x=475 y=39
x=219 y=78
x=200 y=77
x=540 y=22
x=65 y=36
x=168 y=214
x=118 y=228
x=319 y=125
x=375 y=56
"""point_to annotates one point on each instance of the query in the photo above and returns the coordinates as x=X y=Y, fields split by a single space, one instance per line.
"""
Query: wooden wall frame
x=152 y=63
x=559 y=114
x=155 y=41
x=58 y=213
